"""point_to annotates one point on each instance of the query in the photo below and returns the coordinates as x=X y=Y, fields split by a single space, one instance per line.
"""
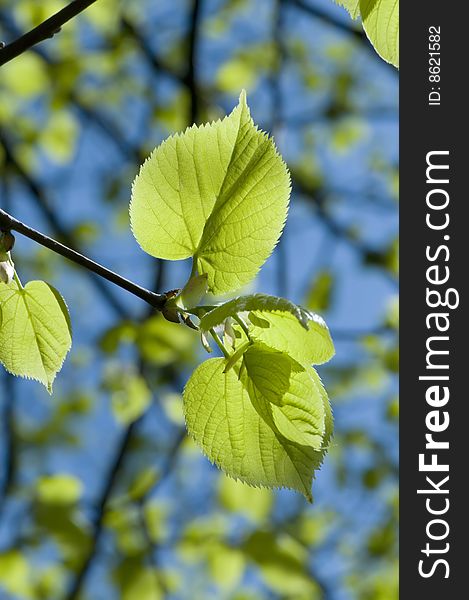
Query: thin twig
x=7 y=222
x=44 y=31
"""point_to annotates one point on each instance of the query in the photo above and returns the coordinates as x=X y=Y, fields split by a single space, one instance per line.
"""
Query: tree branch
x=7 y=222
x=42 y=32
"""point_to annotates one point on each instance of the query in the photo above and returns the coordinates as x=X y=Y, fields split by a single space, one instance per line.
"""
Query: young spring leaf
x=35 y=335
x=218 y=192
x=260 y=302
x=280 y=324
x=221 y=416
x=282 y=331
x=381 y=24
x=285 y=393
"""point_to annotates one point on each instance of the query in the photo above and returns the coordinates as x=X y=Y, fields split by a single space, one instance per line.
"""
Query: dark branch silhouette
x=42 y=32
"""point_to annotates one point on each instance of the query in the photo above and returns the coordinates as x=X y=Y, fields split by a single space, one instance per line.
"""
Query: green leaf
x=219 y=193
x=381 y=24
x=320 y=294
x=35 y=335
x=130 y=399
x=222 y=419
x=280 y=324
x=286 y=394
x=282 y=331
x=260 y=302
x=143 y=483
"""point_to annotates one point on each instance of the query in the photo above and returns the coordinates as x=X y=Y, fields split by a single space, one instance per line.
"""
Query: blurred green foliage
x=102 y=496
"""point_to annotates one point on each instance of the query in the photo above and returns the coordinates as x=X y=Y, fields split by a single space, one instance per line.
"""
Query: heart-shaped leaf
x=35 y=332
x=219 y=193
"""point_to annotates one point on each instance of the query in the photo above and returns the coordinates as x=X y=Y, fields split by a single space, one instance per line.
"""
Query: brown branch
x=7 y=223
x=44 y=31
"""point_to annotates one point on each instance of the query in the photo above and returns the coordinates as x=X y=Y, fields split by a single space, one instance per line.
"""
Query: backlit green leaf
x=221 y=417
x=286 y=394
x=219 y=193
x=35 y=336
x=282 y=562
x=381 y=23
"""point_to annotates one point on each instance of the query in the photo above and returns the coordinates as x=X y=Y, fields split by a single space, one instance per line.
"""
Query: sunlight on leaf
x=235 y=435
x=35 y=336
x=219 y=193
x=381 y=23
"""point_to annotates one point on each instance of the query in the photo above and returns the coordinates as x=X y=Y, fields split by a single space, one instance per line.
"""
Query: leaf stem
x=7 y=222
x=18 y=280
x=219 y=343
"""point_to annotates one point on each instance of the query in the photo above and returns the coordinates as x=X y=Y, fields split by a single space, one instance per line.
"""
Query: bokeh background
x=102 y=496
